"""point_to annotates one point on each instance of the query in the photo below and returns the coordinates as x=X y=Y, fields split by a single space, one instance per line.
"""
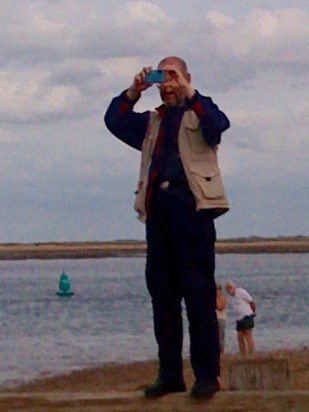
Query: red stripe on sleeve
x=124 y=106
x=198 y=108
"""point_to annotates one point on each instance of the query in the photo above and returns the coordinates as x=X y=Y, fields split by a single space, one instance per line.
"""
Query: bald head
x=174 y=60
x=230 y=288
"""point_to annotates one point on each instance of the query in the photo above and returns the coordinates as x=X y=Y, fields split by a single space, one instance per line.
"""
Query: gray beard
x=178 y=102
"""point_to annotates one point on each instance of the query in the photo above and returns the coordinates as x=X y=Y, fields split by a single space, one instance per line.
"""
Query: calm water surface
x=109 y=318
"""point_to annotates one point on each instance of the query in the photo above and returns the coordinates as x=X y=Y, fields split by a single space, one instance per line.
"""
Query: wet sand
x=79 y=250
x=116 y=388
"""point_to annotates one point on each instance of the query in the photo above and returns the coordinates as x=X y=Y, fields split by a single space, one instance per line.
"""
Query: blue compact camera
x=155 y=76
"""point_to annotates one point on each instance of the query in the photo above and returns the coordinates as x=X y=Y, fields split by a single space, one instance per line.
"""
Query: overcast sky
x=65 y=177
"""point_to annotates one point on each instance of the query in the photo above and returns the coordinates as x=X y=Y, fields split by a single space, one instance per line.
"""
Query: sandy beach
x=116 y=388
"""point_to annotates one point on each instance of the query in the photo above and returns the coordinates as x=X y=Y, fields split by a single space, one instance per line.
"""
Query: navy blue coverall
x=180 y=241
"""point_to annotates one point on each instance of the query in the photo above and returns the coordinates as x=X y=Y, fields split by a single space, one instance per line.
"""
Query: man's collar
x=162 y=109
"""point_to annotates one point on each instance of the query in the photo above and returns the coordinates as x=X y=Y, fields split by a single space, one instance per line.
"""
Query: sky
x=65 y=177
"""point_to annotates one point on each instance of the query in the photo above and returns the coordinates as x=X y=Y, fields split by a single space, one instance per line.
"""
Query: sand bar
x=79 y=250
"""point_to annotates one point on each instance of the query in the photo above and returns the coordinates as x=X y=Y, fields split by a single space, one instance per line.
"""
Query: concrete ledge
x=224 y=401
x=259 y=374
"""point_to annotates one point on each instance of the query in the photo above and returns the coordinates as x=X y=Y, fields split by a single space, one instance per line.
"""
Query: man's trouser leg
x=166 y=302
x=194 y=249
x=200 y=297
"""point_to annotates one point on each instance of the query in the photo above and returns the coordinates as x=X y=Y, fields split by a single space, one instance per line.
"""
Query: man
x=179 y=194
x=244 y=307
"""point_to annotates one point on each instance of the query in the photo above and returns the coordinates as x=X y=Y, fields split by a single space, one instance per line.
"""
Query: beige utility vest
x=199 y=161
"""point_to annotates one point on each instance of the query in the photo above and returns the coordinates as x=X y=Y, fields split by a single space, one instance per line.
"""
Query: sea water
x=109 y=317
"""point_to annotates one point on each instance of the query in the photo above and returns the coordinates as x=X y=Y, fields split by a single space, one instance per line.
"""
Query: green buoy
x=64 y=285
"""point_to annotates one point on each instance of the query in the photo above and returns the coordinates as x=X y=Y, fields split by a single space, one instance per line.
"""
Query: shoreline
x=111 y=375
x=119 y=387
x=104 y=249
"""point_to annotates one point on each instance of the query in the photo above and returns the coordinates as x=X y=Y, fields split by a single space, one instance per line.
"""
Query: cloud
x=265 y=124
x=27 y=96
x=136 y=12
x=240 y=49
x=7 y=135
x=62 y=61
x=262 y=34
x=70 y=54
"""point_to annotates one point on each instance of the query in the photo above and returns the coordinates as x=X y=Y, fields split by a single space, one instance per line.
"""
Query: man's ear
x=189 y=77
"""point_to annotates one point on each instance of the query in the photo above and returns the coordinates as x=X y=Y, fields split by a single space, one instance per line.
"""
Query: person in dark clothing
x=179 y=195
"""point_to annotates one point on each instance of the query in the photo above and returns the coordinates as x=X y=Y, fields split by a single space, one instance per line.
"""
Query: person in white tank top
x=244 y=307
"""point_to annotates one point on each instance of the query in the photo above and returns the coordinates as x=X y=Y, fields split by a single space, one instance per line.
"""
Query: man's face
x=171 y=92
x=230 y=289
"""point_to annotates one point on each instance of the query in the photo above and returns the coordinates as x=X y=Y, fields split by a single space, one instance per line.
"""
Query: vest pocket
x=209 y=183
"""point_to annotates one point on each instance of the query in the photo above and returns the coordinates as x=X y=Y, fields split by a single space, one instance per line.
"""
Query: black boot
x=163 y=387
x=204 y=389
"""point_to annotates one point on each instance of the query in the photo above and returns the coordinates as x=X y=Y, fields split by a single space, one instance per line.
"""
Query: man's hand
x=175 y=75
x=139 y=84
